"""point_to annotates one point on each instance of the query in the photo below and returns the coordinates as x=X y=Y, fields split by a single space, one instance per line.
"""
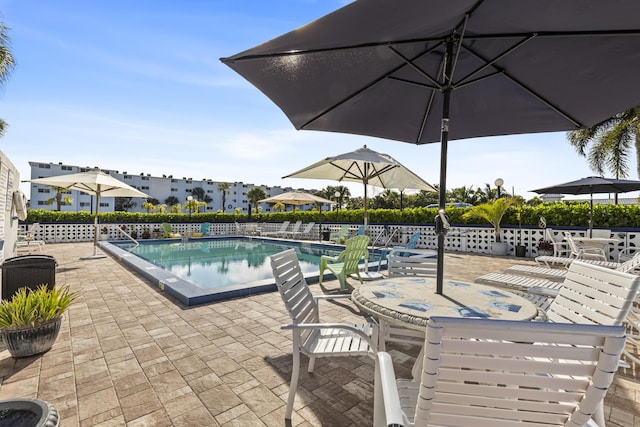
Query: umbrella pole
x=95 y=232
x=441 y=231
x=591 y=215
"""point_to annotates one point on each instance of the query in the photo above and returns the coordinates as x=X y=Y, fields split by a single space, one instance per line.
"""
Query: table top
x=410 y=301
x=597 y=240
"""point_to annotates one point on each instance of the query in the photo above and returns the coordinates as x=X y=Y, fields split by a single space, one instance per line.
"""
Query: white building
x=159 y=188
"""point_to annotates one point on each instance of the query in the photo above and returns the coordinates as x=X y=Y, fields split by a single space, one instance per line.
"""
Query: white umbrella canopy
x=366 y=166
x=94 y=182
x=296 y=198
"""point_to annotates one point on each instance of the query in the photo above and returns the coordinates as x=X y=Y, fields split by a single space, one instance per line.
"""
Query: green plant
x=491 y=212
x=32 y=307
x=544 y=245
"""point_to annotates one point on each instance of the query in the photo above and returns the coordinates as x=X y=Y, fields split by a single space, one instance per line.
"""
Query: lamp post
x=337 y=196
x=189 y=199
x=499 y=183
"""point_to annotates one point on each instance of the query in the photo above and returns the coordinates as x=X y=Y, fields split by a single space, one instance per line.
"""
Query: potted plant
x=156 y=233
x=30 y=320
x=145 y=233
x=493 y=213
x=104 y=233
x=133 y=234
x=521 y=250
x=545 y=247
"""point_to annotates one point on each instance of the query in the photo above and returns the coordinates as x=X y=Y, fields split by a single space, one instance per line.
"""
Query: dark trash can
x=326 y=234
x=28 y=271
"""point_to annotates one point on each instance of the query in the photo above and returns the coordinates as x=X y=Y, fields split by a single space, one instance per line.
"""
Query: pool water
x=224 y=262
x=217 y=268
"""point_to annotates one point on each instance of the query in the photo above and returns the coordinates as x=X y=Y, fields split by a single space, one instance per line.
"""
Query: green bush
x=558 y=214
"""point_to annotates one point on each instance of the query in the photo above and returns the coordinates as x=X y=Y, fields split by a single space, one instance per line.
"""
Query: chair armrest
x=333 y=296
x=385 y=384
x=545 y=292
x=426 y=253
x=352 y=328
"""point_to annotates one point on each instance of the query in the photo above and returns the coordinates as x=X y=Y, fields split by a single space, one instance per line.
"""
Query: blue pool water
x=211 y=269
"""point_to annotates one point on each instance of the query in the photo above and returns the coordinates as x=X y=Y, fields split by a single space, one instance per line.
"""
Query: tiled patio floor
x=128 y=355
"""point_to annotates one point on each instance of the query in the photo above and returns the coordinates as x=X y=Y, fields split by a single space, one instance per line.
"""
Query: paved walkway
x=128 y=355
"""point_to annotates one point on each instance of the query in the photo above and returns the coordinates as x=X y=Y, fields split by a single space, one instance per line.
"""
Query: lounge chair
x=305 y=233
x=560 y=247
x=293 y=231
x=310 y=336
x=482 y=372
x=27 y=238
x=341 y=236
x=411 y=244
x=167 y=232
x=283 y=229
x=583 y=252
x=347 y=262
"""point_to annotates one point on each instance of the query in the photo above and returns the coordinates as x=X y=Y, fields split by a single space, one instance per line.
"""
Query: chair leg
x=295 y=372
x=312 y=364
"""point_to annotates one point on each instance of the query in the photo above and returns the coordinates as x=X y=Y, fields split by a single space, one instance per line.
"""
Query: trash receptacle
x=28 y=271
x=326 y=234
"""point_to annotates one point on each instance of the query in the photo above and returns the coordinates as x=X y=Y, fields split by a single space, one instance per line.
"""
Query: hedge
x=556 y=214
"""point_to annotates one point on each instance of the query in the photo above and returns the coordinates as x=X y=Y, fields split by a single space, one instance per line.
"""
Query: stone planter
x=29 y=341
x=28 y=412
x=499 y=248
x=545 y=252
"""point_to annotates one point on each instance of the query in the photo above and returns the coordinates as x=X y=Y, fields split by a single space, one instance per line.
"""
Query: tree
x=193 y=205
x=171 y=200
x=223 y=187
x=279 y=207
x=148 y=206
x=124 y=204
x=176 y=208
x=343 y=197
x=7 y=64
x=59 y=199
x=607 y=145
x=491 y=212
x=162 y=208
x=255 y=194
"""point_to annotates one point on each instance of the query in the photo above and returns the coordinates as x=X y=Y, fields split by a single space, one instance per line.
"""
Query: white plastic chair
x=283 y=229
x=582 y=252
x=482 y=372
x=310 y=336
x=27 y=238
x=560 y=247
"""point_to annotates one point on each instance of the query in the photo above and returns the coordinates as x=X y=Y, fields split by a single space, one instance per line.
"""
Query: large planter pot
x=28 y=412
x=499 y=248
x=545 y=252
x=29 y=341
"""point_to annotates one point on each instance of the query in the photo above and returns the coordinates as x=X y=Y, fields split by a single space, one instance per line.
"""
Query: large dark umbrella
x=423 y=71
x=590 y=185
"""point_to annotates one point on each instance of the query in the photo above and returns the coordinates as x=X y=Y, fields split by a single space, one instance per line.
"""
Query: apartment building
x=159 y=188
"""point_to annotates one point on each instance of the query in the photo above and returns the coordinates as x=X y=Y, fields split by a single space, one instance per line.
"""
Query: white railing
x=474 y=239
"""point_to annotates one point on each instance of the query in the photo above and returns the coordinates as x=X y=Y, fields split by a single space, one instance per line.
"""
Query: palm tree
x=59 y=199
x=491 y=212
x=148 y=206
x=344 y=194
x=7 y=64
x=224 y=188
x=171 y=200
x=607 y=145
x=255 y=194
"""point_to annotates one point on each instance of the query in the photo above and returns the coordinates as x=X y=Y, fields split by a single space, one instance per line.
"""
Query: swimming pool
x=212 y=269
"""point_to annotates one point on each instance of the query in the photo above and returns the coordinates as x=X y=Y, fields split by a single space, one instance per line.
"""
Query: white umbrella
x=366 y=166
x=296 y=198
x=96 y=183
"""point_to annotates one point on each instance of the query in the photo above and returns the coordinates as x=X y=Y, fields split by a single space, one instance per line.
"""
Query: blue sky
x=137 y=86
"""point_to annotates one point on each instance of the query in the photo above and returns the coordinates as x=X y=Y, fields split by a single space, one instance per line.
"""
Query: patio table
x=597 y=242
x=410 y=301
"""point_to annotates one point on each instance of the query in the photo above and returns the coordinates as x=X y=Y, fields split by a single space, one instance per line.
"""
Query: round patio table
x=410 y=301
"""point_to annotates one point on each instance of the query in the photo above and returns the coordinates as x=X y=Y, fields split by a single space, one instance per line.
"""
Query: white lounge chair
x=310 y=336
x=27 y=239
x=305 y=233
x=583 y=252
x=283 y=229
x=293 y=231
x=481 y=372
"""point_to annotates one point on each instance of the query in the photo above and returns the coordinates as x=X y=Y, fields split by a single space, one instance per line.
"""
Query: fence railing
x=475 y=239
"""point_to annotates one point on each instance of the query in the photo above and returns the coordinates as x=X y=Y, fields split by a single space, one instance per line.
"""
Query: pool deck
x=131 y=355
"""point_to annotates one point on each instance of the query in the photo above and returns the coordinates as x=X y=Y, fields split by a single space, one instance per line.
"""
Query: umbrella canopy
x=590 y=185
x=366 y=166
x=94 y=182
x=422 y=71
x=296 y=198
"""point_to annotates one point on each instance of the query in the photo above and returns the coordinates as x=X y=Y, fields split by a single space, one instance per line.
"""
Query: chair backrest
x=284 y=226
x=591 y=294
x=552 y=237
x=400 y=265
x=360 y=230
x=413 y=240
x=204 y=228
x=356 y=250
x=600 y=233
x=482 y=372
x=166 y=229
x=308 y=228
x=296 y=227
x=573 y=246
x=293 y=288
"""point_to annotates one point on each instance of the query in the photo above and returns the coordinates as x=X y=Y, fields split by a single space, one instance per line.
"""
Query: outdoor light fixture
x=337 y=196
x=499 y=183
x=190 y=198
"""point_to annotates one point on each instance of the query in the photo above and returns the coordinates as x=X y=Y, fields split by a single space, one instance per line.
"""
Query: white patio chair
x=305 y=233
x=294 y=231
x=482 y=372
x=283 y=229
x=27 y=238
x=583 y=252
x=560 y=247
x=310 y=336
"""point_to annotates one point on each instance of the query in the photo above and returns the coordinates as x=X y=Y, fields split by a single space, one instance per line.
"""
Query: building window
x=44 y=190
x=83 y=204
x=174 y=190
x=145 y=187
x=67 y=168
x=104 y=205
x=145 y=178
x=43 y=166
x=42 y=203
x=127 y=177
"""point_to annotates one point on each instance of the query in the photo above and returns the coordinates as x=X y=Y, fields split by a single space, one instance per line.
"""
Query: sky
x=138 y=86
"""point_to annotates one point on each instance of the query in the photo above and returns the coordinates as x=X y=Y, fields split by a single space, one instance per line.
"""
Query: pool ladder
x=129 y=236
